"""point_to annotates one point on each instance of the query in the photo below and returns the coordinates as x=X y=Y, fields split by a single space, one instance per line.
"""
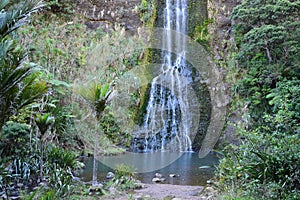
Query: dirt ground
x=170 y=192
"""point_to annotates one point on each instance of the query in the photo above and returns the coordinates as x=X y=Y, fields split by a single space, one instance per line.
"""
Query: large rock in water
x=107 y=13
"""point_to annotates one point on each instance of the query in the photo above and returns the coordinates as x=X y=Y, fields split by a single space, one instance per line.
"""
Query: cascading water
x=167 y=120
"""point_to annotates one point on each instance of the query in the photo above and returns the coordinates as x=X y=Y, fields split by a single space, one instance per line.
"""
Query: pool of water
x=189 y=168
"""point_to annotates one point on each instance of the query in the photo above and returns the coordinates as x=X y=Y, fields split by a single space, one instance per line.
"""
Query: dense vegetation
x=30 y=156
x=43 y=56
x=266 y=52
x=43 y=61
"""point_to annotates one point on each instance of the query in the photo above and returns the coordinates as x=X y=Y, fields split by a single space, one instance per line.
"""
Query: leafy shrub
x=266 y=164
x=63 y=126
x=285 y=101
x=14 y=140
x=60 y=47
x=62 y=158
x=147 y=11
x=113 y=132
x=201 y=33
x=123 y=179
x=60 y=165
x=63 y=7
x=19 y=85
x=19 y=173
x=124 y=170
x=268 y=50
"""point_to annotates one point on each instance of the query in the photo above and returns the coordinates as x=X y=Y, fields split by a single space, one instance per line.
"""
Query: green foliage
x=26 y=158
x=65 y=8
x=112 y=131
x=123 y=170
x=269 y=12
x=22 y=170
x=268 y=48
x=256 y=85
x=265 y=165
x=48 y=195
x=285 y=101
x=19 y=84
x=201 y=33
x=96 y=96
x=66 y=55
x=61 y=158
x=123 y=179
x=147 y=11
x=25 y=163
x=13 y=140
x=16 y=15
x=123 y=183
x=266 y=162
x=41 y=194
x=286 y=94
x=108 y=148
x=43 y=121
x=60 y=47
x=60 y=164
x=107 y=62
x=63 y=126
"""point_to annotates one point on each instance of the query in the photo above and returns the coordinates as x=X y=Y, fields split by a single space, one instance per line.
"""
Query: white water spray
x=167 y=120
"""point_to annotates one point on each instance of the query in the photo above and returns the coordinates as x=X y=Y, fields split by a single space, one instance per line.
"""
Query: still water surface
x=191 y=170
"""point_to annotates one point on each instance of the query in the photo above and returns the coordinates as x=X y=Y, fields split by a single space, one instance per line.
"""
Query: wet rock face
x=220 y=31
x=107 y=13
x=221 y=35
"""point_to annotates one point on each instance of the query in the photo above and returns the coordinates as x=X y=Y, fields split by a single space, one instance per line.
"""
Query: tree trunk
x=95 y=164
x=41 y=161
x=268 y=51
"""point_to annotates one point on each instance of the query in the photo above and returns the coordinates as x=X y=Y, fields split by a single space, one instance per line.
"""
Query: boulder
x=158 y=180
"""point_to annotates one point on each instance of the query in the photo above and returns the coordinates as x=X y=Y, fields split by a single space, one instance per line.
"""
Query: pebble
x=110 y=175
x=173 y=175
x=158 y=175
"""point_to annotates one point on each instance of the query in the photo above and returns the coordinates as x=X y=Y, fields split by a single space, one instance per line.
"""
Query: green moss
x=197 y=11
x=148 y=13
x=201 y=33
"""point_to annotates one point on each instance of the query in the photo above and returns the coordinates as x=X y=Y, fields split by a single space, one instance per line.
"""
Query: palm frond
x=95 y=95
x=3 y=4
x=31 y=91
x=12 y=70
x=18 y=84
x=16 y=15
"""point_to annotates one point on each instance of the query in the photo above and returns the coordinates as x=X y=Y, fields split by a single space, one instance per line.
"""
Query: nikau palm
x=97 y=96
x=18 y=81
x=43 y=122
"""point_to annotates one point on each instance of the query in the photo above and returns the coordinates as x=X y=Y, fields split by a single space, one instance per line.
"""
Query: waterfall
x=167 y=120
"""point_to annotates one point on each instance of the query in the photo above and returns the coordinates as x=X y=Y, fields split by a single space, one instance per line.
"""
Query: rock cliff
x=107 y=13
x=220 y=29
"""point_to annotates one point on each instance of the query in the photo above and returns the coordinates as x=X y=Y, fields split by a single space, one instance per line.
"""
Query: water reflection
x=187 y=166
